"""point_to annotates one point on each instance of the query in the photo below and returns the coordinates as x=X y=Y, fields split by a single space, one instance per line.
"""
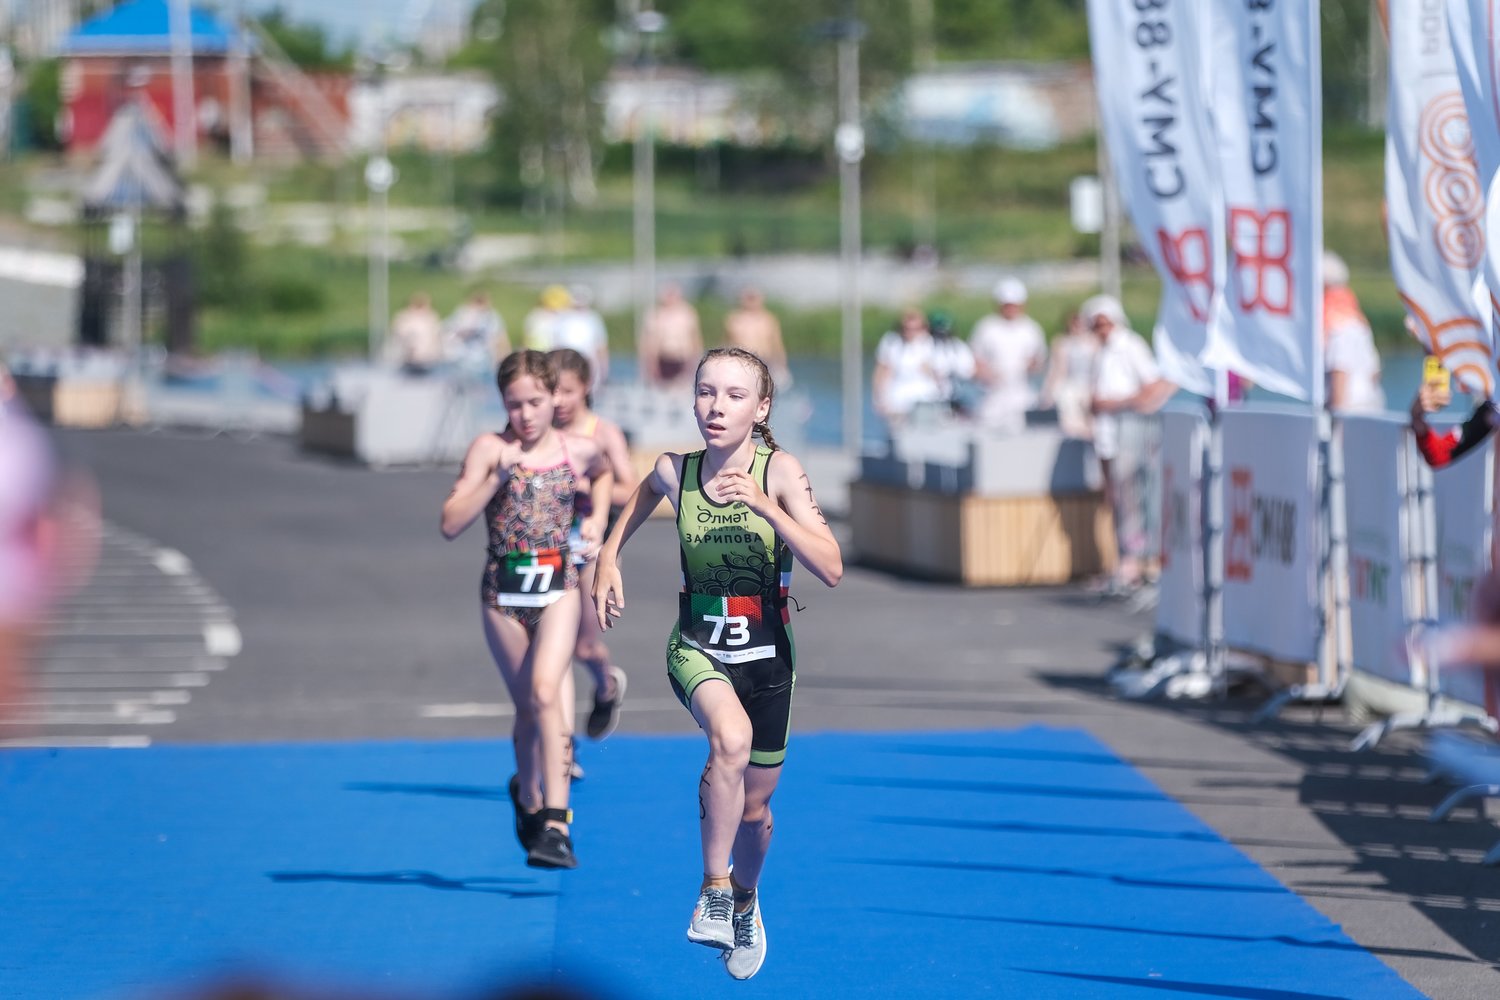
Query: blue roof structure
x=145 y=26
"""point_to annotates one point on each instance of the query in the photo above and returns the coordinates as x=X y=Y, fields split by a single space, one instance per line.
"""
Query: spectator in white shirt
x=1009 y=348
x=1126 y=380
x=952 y=361
x=1350 y=362
x=579 y=327
x=905 y=375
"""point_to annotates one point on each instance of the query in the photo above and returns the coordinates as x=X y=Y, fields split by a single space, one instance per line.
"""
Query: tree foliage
x=549 y=59
x=306 y=45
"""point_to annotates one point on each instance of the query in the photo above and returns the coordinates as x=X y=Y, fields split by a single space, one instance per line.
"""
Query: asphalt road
x=355 y=620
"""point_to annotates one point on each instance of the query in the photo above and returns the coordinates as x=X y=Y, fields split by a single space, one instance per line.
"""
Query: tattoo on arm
x=807 y=485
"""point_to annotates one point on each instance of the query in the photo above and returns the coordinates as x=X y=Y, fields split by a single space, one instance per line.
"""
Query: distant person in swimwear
x=671 y=341
x=755 y=328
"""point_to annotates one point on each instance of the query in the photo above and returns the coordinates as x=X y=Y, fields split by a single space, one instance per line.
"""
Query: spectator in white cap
x=1126 y=380
x=1351 y=365
x=1009 y=348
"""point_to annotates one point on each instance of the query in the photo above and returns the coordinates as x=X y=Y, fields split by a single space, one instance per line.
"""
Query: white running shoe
x=749 y=952
x=712 y=922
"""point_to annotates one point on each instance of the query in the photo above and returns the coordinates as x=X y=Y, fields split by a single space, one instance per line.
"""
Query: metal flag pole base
x=1440 y=718
x=1305 y=694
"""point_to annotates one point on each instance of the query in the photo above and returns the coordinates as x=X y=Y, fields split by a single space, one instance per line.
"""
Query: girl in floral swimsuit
x=525 y=482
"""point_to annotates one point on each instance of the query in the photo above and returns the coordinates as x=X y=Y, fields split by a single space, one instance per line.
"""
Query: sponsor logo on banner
x=1260 y=527
x=1149 y=76
x=1176 y=537
x=1368 y=579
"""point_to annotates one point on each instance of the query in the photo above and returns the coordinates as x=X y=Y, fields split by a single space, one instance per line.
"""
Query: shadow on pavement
x=1375 y=802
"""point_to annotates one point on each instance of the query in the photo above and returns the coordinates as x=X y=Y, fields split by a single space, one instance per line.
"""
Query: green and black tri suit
x=732 y=620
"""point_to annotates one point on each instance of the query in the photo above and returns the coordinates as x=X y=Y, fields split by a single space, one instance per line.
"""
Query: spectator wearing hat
x=1008 y=348
x=1126 y=380
x=579 y=327
x=539 y=328
x=952 y=363
x=1350 y=362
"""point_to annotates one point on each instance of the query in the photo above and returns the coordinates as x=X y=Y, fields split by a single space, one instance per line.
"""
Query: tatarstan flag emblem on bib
x=532 y=578
x=710 y=605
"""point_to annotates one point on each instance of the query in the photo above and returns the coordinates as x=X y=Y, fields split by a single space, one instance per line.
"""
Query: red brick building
x=126 y=55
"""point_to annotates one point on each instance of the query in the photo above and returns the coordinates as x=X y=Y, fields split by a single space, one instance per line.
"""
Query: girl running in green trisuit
x=526 y=481
x=743 y=512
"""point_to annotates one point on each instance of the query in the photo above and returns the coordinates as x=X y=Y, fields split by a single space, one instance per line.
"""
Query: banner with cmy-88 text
x=1268 y=121
x=1149 y=74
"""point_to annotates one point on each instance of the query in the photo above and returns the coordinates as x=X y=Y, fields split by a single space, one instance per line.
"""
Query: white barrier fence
x=1416 y=543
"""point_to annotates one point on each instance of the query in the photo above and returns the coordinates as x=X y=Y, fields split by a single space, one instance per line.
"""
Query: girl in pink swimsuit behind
x=526 y=482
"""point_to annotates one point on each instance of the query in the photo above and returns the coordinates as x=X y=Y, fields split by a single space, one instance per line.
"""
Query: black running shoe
x=551 y=849
x=605 y=715
x=527 y=824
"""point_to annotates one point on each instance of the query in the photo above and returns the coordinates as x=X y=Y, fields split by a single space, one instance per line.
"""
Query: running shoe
x=749 y=952
x=606 y=713
x=713 y=922
x=575 y=769
x=551 y=849
x=527 y=823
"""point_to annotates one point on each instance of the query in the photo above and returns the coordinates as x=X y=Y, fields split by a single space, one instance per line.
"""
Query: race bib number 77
x=531 y=579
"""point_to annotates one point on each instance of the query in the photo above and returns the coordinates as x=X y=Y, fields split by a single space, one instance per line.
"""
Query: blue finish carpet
x=1025 y=863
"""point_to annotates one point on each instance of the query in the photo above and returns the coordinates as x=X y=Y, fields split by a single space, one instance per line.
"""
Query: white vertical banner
x=1462 y=499
x=1472 y=32
x=1272 y=597
x=1376 y=501
x=1149 y=75
x=1268 y=122
x=1434 y=195
x=1179 y=608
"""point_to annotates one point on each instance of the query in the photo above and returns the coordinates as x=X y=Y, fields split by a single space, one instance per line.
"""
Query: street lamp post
x=648 y=24
x=849 y=143
x=380 y=174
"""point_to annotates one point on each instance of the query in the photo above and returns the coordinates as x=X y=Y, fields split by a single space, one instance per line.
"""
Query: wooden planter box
x=978 y=540
x=70 y=402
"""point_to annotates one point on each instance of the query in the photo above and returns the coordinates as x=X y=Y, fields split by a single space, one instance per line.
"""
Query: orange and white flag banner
x=1434 y=196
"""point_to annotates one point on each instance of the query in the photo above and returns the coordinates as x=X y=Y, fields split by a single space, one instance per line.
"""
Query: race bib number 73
x=732 y=629
x=531 y=579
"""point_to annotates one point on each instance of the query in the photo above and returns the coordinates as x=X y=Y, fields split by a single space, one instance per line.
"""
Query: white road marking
x=196 y=664
x=75 y=699
x=86 y=682
x=103 y=742
x=126 y=650
x=172 y=563
x=222 y=639
x=123 y=715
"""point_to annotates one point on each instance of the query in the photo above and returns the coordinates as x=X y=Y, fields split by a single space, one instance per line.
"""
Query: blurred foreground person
x=48 y=539
x=525 y=483
x=1126 y=381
